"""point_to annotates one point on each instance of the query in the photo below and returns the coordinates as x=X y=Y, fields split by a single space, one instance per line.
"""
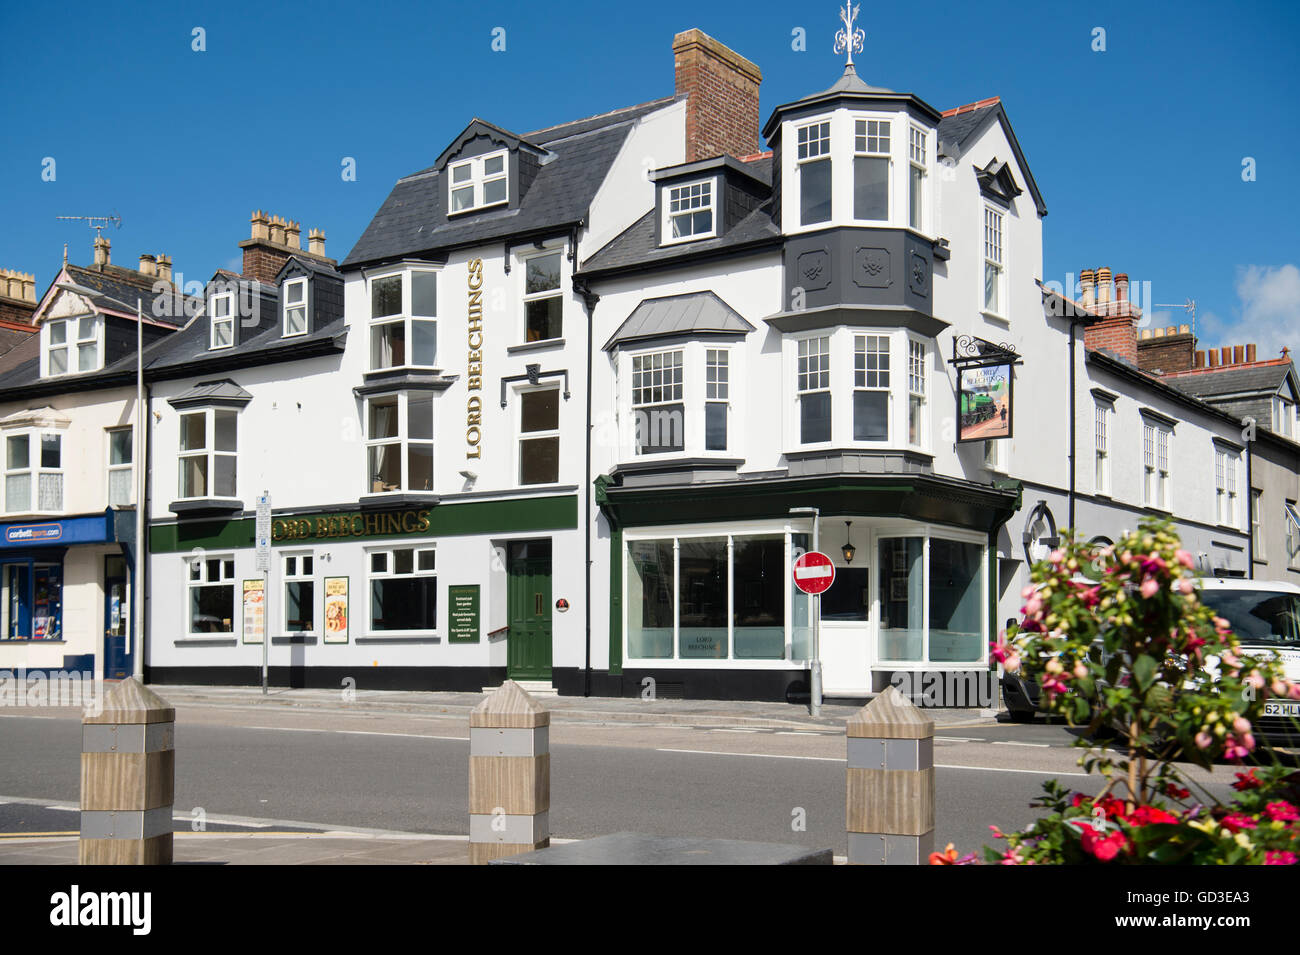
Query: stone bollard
x=128 y=775
x=509 y=775
x=890 y=783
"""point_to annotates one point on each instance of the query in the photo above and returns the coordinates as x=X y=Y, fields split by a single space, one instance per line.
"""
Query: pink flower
x=1103 y=848
x=1186 y=587
x=1255 y=680
x=1278 y=687
x=1028 y=592
x=1150 y=587
x=1236 y=822
x=1080 y=670
x=1203 y=740
x=1185 y=559
x=1279 y=857
x=1241 y=726
x=1281 y=811
x=1052 y=684
x=1012 y=857
x=1033 y=606
x=1057 y=556
x=1294 y=691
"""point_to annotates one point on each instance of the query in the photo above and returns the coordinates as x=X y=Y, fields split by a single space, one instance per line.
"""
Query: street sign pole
x=815 y=681
x=814 y=573
x=263 y=550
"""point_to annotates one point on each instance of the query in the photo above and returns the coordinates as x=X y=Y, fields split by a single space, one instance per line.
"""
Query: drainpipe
x=1070 y=516
x=1250 y=514
x=589 y=300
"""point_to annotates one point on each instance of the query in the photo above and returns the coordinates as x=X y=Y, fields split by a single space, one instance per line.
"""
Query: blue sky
x=1138 y=149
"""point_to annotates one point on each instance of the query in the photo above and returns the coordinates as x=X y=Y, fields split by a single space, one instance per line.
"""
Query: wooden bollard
x=890 y=783
x=509 y=775
x=128 y=775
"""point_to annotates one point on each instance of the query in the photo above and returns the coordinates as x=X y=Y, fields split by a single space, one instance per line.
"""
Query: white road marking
x=306 y=729
x=722 y=729
x=1011 y=742
x=999 y=769
x=958 y=739
x=21 y=716
x=841 y=759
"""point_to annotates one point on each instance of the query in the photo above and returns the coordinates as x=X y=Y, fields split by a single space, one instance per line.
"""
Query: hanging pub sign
x=984 y=388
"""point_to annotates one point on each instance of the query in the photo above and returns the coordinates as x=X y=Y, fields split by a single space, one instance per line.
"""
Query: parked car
x=1265 y=616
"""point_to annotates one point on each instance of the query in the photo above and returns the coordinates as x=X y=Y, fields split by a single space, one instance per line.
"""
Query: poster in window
x=898 y=589
x=984 y=403
x=254 y=611
x=336 y=610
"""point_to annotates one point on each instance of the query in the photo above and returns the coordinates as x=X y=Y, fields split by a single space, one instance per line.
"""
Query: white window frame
x=34 y=470
x=1284 y=417
x=805 y=385
x=285 y=307
x=1256 y=527
x=689 y=211
x=291 y=567
x=226 y=577
x=866 y=152
x=672 y=387
x=918 y=391
x=524 y=436
x=478 y=181
x=718 y=381
x=111 y=468
x=1226 y=464
x=405 y=315
x=228 y=299
x=1103 y=416
x=402 y=441
x=72 y=343
x=801 y=161
x=208 y=451
x=862 y=347
x=994 y=458
x=1291 y=518
x=1156 y=466
x=995 y=257
x=918 y=153
x=544 y=294
x=390 y=573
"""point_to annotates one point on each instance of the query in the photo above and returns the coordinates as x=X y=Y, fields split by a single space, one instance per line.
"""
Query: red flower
x=1279 y=857
x=1103 y=848
x=1281 y=811
x=1149 y=815
x=1236 y=822
x=1177 y=792
x=1247 y=781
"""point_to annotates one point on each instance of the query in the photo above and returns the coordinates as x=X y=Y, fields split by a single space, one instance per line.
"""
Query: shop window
x=931 y=613
x=850 y=596
x=403 y=590
x=399 y=442
x=299 y=594
x=212 y=596
x=539 y=437
x=702 y=598
x=403 y=320
x=900 y=575
x=543 y=299
x=758 y=597
x=31 y=601
x=208 y=456
x=121 y=450
x=651 y=609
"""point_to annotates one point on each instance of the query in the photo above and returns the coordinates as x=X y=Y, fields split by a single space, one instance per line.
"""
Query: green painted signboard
x=463 y=613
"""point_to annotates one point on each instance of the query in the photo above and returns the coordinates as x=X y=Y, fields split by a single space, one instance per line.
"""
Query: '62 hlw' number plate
x=1281 y=708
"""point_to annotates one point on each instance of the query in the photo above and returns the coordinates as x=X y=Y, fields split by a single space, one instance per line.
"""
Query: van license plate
x=1281 y=708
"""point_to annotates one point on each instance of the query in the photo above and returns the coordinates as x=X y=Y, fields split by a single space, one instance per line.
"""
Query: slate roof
x=635 y=245
x=413 y=219
x=222 y=389
x=1251 y=379
x=959 y=126
x=694 y=313
x=124 y=295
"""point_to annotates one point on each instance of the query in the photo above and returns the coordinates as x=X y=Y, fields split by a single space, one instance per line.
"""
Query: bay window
x=717 y=393
x=993 y=262
x=33 y=472
x=478 y=182
x=871 y=178
x=658 y=409
x=814 y=171
x=543 y=299
x=403 y=590
x=916 y=154
x=209 y=445
x=212 y=596
x=689 y=211
x=871 y=388
x=931 y=592
x=813 y=387
x=399 y=442
x=539 y=436
x=403 y=320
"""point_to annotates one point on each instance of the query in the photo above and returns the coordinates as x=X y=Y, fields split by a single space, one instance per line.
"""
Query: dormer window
x=689 y=212
x=295 y=307
x=73 y=345
x=871 y=170
x=814 y=158
x=1284 y=417
x=221 y=308
x=478 y=182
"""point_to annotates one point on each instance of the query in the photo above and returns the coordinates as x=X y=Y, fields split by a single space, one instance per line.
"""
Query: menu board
x=336 y=610
x=254 y=611
x=463 y=613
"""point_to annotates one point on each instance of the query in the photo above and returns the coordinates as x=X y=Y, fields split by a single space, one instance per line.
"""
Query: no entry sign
x=814 y=573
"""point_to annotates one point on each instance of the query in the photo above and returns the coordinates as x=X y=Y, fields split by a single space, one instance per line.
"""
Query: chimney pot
x=164 y=267
x=102 y=251
x=1086 y=279
x=1103 y=285
x=1213 y=356
x=1225 y=355
x=147 y=262
x=1250 y=354
x=1121 y=287
x=1146 y=333
x=1238 y=354
x=1200 y=360
x=277 y=230
x=1159 y=333
x=316 y=242
x=260 y=223
x=292 y=235
x=1184 y=329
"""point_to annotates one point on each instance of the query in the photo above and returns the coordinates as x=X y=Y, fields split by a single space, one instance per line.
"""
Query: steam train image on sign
x=977 y=407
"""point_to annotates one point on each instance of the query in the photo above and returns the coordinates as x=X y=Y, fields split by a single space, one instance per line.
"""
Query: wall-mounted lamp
x=848 y=549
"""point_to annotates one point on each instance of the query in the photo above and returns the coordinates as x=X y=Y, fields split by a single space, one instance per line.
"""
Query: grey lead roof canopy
x=204 y=392
x=694 y=313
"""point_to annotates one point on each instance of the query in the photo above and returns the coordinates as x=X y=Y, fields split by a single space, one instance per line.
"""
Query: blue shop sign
x=94 y=529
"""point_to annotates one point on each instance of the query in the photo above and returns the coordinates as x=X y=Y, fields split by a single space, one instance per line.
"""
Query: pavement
x=271 y=844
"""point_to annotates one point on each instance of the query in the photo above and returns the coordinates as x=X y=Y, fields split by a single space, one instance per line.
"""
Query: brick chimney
x=1114 y=331
x=1167 y=349
x=164 y=268
x=17 y=296
x=102 y=249
x=272 y=239
x=721 y=88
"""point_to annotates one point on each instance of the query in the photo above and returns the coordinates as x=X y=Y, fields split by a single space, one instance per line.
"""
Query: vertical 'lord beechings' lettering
x=474 y=373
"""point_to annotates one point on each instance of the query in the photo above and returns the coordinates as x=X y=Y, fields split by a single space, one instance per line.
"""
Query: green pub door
x=528 y=643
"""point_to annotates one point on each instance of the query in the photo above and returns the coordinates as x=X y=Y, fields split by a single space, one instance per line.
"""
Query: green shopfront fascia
x=709 y=607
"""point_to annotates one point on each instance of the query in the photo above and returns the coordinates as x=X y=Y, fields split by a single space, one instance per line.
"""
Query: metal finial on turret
x=849 y=40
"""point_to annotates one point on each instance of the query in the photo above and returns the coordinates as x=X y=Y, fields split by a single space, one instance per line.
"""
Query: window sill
x=36 y=640
x=397 y=499
x=504 y=203
x=213 y=640
x=387 y=380
x=685 y=239
x=995 y=318
x=295 y=639
x=206 y=505
x=400 y=638
x=535 y=346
